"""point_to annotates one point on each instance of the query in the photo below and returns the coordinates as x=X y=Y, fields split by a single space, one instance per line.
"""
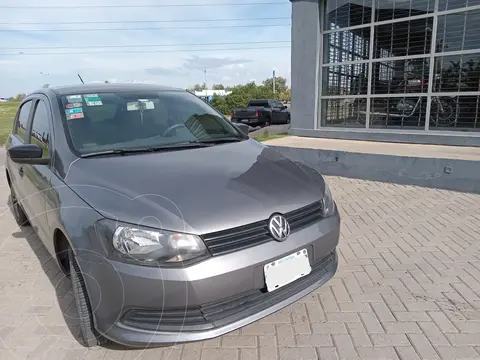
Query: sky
x=248 y=50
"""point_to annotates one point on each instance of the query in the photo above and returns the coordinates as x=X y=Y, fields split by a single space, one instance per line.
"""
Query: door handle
x=20 y=171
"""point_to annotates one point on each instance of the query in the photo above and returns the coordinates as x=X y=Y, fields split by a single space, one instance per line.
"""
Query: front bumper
x=258 y=308
x=135 y=305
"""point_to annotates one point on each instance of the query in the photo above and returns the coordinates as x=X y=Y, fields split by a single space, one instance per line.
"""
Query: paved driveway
x=408 y=287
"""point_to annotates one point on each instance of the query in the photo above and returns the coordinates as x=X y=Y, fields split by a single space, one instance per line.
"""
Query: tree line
x=242 y=94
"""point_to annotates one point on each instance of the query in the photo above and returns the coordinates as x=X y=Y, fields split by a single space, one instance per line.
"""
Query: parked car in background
x=262 y=113
x=172 y=224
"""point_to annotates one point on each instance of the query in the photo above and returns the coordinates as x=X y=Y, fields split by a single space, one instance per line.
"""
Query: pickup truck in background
x=262 y=113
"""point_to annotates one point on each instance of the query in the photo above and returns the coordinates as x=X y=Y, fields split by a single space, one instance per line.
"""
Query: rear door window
x=21 y=120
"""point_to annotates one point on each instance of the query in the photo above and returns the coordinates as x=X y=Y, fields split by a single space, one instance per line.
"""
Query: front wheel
x=89 y=335
x=18 y=213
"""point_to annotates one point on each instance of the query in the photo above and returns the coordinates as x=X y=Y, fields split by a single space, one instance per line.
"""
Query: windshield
x=127 y=120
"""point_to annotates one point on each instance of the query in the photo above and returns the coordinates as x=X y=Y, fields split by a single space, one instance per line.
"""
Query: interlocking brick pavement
x=408 y=287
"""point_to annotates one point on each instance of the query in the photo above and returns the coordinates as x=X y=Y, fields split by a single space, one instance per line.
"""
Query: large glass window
x=416 y=67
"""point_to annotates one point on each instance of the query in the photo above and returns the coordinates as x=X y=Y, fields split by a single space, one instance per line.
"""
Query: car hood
x=198 y=190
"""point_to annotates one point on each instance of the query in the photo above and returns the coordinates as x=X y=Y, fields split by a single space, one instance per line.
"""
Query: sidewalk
x=372 y=147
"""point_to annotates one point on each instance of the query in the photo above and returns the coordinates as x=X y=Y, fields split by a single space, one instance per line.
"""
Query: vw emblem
x=279 y=227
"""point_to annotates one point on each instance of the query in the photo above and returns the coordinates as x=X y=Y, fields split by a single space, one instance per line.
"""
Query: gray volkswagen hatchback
x=173 y=225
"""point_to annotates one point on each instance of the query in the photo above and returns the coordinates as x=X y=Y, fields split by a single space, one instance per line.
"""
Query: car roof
x=82 y=88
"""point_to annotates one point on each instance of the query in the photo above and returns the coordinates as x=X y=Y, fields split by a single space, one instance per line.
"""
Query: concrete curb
x=273 y=129
x=448 y=174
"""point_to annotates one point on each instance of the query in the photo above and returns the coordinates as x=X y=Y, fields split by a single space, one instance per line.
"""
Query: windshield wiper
x=177 y=146
x=218 y=141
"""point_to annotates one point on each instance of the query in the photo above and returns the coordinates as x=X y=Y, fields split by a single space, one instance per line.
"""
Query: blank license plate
x=285 y=270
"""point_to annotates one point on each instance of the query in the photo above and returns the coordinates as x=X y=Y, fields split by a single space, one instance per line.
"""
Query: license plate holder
x=283 y=271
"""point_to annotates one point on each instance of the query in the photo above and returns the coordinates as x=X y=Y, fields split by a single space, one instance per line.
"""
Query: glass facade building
x=399 y=64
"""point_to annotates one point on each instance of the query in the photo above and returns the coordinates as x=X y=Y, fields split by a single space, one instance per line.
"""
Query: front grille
x=305 y=216
x=239 y=238
x=230 y=310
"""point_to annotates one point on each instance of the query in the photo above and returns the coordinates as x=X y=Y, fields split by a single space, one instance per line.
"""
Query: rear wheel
x=89 y=335
x=17 y=210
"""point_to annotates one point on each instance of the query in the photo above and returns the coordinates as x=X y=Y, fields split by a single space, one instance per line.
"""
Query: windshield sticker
x=74 y=105
x=75 y=116
x=74 y=98
x=92 y=100
x=140 y=105
x=75 y=113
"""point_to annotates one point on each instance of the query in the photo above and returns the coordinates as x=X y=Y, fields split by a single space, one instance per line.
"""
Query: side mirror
x=244 y=128
x=27 y=154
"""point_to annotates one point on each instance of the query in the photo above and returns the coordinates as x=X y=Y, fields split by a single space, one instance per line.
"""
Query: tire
x=18 y=213
x=89 y=335
x=450 y=114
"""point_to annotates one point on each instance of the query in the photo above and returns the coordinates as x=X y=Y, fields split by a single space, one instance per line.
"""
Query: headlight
x=328 y=205
x=148 y=246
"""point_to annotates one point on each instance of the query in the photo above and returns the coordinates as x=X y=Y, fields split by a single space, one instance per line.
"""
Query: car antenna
x=80 y=78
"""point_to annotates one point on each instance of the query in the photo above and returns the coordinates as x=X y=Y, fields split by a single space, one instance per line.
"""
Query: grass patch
x=267 y=136
x=7 y=114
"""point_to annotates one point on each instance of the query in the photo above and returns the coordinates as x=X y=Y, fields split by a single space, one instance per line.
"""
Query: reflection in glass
x=343 y=112
x=347 y=45
x=345 y=13
x=403 y=38
x=387 y=10
x=457 y=73
x=346 y=79
x=458 y=31
x=456 y=4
